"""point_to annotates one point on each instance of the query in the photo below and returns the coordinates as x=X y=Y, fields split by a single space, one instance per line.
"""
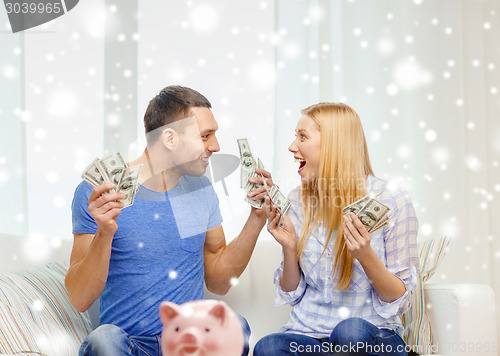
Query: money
x=384 y=221
x=248 y=167
x=128 y=184
x=92 y=174
x=247 y=161
x=278 y=199
x=281 y=202
x=356 y=206
x=114 y=169
x=371 y=213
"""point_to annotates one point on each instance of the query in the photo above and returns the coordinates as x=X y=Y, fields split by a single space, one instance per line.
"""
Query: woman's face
x=306 y=149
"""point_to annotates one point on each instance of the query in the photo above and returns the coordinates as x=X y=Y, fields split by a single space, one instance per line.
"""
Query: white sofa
x=460 y=314
x=463 y=319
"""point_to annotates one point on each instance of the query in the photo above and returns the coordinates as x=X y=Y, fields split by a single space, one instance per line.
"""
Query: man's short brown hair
x=173 y=103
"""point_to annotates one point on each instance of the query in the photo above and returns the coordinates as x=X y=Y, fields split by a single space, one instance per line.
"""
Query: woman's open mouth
x=302 y=163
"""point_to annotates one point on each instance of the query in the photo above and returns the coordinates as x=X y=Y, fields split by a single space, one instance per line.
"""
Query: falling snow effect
x=421 y=133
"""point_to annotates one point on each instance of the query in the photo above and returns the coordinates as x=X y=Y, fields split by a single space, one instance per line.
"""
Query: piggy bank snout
x=189 y=337
x=205 y=327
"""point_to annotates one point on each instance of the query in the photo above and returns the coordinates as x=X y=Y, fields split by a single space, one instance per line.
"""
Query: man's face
x=200 y=142
x=207 y=126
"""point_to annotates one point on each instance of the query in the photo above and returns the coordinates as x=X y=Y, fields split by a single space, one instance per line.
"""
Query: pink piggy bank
x=200 y=328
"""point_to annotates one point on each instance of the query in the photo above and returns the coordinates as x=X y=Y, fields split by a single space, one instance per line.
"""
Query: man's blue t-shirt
x=157 y=251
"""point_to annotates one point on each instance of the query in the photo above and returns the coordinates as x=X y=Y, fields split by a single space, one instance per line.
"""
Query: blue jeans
x=353 y=336
x=110 y=340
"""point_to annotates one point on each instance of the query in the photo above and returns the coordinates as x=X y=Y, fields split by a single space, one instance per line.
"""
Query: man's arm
x=89 y=262
x=223 y=262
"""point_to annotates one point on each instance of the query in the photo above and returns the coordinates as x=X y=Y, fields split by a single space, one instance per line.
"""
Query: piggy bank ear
x=168 y=311
x=219 y=312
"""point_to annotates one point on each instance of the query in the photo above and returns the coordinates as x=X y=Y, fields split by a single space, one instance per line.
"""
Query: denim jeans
x=353 y=336
x=110 y=340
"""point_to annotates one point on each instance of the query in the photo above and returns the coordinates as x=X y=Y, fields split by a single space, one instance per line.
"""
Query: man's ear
x=169 y=138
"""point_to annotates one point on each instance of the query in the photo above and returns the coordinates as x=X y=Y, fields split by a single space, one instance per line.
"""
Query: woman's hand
x=356 y=237
x=285 y=234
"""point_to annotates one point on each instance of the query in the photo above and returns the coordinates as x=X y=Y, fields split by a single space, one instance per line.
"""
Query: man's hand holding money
x=260 y=192
x=105 y=206
x=115 y=186
x=254 y=179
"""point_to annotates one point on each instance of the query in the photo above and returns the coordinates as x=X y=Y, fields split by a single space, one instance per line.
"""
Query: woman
x=347 y=287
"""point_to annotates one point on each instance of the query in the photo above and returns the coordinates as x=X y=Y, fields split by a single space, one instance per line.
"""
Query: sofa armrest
x=462 y=317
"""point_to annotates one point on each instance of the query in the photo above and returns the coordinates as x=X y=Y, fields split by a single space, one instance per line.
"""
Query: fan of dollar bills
x=371 y=212
x=248 y=166
x=113 y=169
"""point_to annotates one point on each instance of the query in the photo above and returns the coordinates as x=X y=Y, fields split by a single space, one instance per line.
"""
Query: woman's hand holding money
x=356 y=236
x=105 y=208
x=285 y=235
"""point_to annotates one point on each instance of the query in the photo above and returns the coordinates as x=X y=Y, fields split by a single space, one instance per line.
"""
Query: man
x=167 y=243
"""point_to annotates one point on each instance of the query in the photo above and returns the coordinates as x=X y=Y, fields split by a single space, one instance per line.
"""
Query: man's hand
x=105 y=208
x=260 y=193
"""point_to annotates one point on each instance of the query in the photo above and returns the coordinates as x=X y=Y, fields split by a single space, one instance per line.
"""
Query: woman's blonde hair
x=344 y=167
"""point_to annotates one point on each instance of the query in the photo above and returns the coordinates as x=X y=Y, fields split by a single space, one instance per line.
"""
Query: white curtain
x=76 y=88
x=13 y=205
x=51 y=102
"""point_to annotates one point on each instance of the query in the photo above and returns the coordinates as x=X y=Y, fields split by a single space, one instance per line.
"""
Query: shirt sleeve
x=401 y=254
x=83 y=222
x=215 y=218
x=292 y=297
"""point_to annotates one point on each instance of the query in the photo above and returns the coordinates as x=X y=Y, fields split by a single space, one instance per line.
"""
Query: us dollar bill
x=279 y=200
x=248 y=167
x=113 y=167
x=371 y=212
x=93 y=174
x=128 y=184
x=384 y=221
x=257 y=203
x=247 y=162
x=356 y=206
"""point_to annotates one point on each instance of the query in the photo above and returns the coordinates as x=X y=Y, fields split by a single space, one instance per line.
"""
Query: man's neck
x=154 y=174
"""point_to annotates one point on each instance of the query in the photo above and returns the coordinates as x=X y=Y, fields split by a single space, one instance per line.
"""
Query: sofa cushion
x=417 y=327
x=15 y=334
x=35 y=313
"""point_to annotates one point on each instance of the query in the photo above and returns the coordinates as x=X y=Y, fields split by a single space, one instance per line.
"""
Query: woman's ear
x=169 y=138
